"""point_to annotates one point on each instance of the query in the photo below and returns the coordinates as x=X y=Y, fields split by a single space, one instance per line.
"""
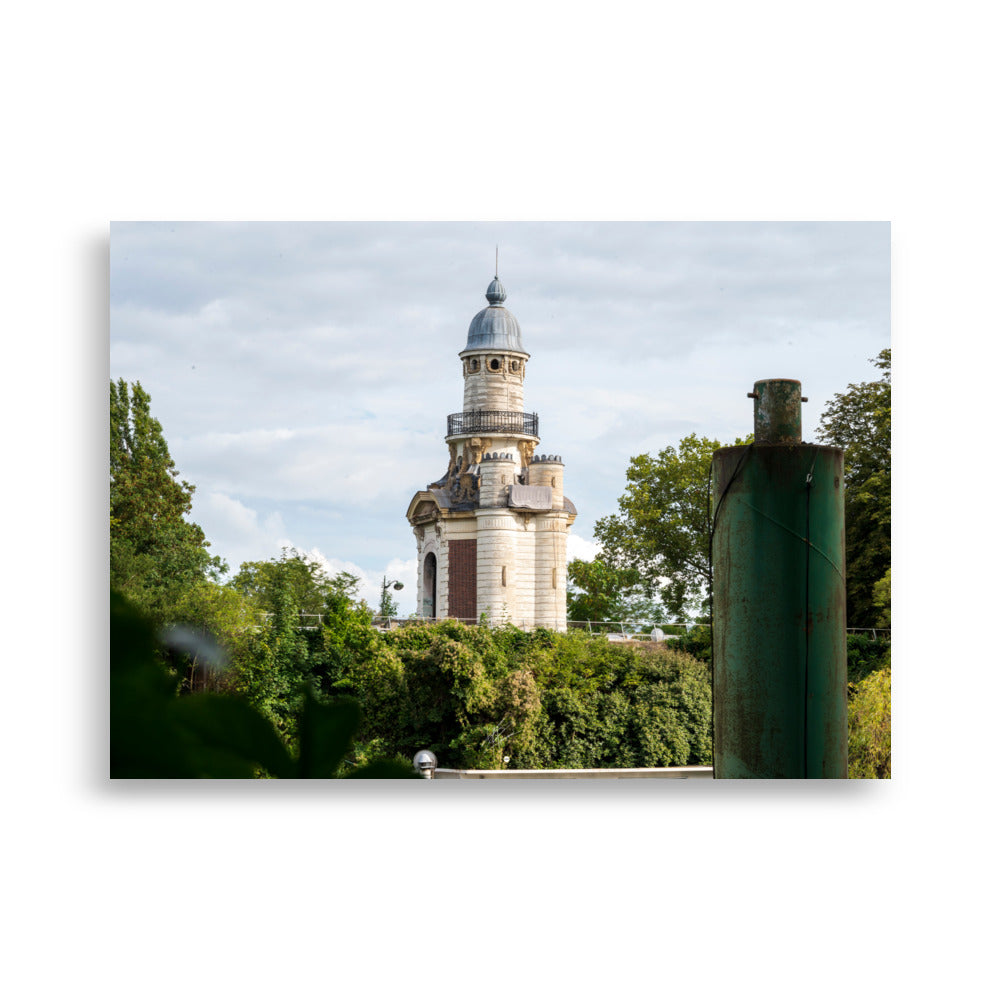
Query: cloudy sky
x=303 y=371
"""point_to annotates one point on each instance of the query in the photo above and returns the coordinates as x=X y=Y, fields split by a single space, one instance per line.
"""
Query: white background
x=725 y=111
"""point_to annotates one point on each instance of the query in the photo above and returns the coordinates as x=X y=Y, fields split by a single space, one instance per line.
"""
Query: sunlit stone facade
x=491 y=532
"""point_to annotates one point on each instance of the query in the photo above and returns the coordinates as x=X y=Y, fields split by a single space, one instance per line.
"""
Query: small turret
x=547 y=470
x=498 y=471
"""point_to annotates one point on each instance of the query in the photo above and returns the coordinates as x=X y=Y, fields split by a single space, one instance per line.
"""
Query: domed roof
x=495 y=328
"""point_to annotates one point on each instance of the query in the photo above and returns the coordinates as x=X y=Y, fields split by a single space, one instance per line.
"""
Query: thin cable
x=795 y=534
x=808 y=623
x=714 y=519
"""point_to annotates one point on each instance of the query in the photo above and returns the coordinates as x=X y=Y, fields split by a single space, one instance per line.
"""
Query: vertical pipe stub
x=777 y=411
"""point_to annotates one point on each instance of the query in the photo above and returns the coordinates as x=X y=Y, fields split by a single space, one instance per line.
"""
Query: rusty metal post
x=779 y=629
x=777 y=411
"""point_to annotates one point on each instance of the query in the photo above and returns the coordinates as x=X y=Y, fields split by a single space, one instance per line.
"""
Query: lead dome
x=495 y=327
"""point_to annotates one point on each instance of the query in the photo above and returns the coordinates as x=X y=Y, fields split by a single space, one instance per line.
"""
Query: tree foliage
x=864 y=655
x=286 y=647
x=869 y=720
x=869 y=706
x=155 y=734
x=388 y=607
x=156 y=554
x=215 y=614
x=860 y=421
x=296 y=580
x=882 y=600
x=662 y=530
x=490 y=698
x=598 y=592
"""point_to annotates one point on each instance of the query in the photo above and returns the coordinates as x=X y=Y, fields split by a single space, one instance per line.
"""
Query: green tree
x=882 y=599
x=297 y=580
x=156 y=554
x=387 y=605
x=860 y=421
x=598 y=592
x=288 y=652
x=232 y=620
x=662 y=530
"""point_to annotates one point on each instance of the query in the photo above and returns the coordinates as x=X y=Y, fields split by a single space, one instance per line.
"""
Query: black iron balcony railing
x=493 y=422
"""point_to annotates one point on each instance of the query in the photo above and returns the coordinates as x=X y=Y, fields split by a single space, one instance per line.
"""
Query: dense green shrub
x=869 y=717
x=481 y=697
x=696 y=642
x=864 y=654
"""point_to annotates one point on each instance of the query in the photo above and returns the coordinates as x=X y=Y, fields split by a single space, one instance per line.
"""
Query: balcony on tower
x=493 y=422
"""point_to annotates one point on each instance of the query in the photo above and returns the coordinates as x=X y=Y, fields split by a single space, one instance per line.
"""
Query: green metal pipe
x=779 y=624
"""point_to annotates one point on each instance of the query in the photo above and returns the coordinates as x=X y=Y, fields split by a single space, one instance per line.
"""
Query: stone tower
x=491 y=533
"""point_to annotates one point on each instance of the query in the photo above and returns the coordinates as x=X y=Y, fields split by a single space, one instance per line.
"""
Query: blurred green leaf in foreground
x=157 y=734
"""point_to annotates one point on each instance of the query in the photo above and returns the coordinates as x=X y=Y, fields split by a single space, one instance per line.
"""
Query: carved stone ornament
x=426 y=511
x=474 y=449
x=449 y=477
x=465 y=487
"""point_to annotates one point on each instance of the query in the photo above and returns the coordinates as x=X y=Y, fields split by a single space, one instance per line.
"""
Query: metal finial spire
x=496 y=270
x=496 y=293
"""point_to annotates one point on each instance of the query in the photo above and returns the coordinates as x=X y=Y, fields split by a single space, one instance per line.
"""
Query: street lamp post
x=385 y=608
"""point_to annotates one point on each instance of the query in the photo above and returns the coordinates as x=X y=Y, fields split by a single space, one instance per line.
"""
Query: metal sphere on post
x=425 y=762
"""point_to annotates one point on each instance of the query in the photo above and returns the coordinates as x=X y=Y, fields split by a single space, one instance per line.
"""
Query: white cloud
x=304 y=371
x=370 y=581
x=238 y=517
x=236 y=531
x=578 y=547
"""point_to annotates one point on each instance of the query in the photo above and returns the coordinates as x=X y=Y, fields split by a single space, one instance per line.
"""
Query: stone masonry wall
x=497 y=589
x=550 y=571
x=486 y=390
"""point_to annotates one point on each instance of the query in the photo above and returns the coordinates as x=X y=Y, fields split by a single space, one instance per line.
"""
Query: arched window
x=429 y=609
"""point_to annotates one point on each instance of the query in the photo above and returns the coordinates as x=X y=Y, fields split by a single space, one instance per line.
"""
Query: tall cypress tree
x=155 y=553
